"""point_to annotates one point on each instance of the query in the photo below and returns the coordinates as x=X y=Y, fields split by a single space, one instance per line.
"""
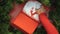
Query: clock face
x=30 y=7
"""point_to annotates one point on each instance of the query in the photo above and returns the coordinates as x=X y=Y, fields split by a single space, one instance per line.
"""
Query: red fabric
x=17 y=8
x=49 y=27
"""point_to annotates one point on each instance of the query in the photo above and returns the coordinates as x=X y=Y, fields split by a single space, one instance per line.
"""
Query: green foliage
x=6 y=6
x=55 y=15
x=45 y=2
x=19 y=1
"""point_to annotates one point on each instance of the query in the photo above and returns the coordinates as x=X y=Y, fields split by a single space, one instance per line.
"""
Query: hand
x=41 y=10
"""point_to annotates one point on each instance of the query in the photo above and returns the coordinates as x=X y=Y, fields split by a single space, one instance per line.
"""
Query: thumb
x=41 y=10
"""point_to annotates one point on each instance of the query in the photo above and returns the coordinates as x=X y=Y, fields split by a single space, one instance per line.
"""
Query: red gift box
x=21 y=21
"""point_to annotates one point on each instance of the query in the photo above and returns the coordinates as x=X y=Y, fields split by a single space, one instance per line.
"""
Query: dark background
x=6 y=6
